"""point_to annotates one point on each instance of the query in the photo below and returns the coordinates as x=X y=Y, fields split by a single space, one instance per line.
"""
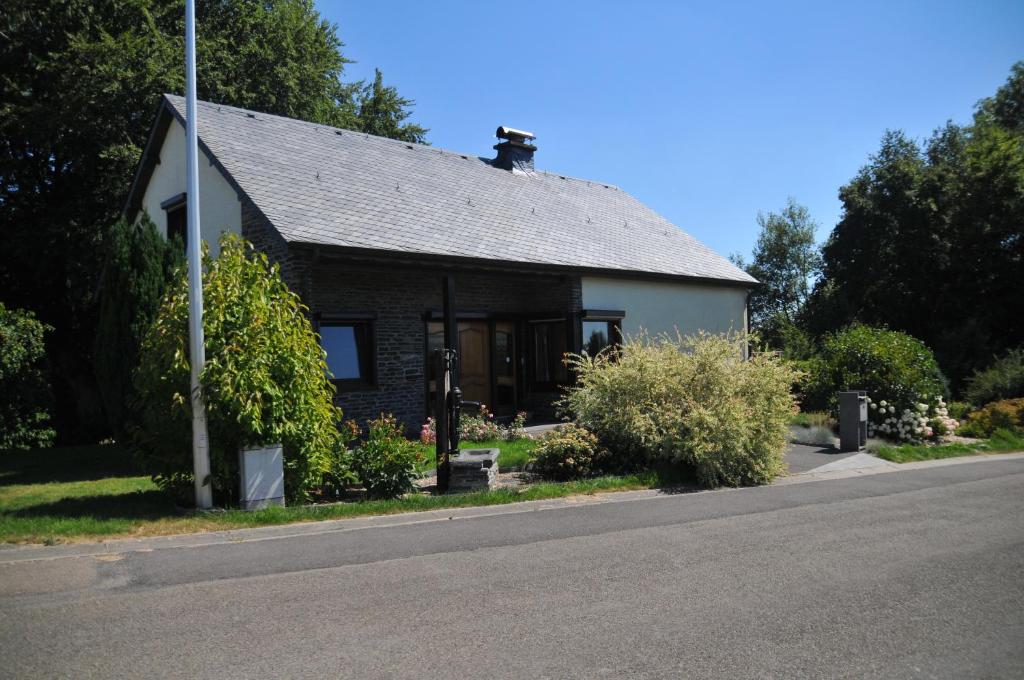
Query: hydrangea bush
x=922 y=422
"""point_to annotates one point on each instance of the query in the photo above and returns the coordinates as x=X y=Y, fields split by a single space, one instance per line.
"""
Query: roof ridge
x=388 y=140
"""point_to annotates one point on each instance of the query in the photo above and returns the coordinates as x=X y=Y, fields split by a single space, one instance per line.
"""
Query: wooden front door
x=489 y=359
x=474 y=360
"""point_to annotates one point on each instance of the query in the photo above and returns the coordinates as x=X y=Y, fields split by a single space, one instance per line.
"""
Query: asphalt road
x=914 y=574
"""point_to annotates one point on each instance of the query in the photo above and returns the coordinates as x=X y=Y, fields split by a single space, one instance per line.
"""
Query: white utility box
x=262 y=476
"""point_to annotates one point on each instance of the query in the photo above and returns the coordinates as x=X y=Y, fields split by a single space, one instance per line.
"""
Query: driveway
x=804 y=458
x=914 y=573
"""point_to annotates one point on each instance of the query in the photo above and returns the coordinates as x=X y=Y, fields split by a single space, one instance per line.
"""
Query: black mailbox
x=853 y=420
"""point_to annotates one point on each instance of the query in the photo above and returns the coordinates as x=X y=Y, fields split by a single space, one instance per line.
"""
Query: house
x=365 y=229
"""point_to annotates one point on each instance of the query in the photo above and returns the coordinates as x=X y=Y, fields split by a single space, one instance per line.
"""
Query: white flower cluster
x=913 y=424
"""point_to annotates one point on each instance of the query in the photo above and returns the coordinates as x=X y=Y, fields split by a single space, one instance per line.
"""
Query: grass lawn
x=89 y=493
x=1001 y=442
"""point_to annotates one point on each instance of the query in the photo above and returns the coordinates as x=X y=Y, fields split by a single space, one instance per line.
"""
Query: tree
x=785 y=261
x=265 y=380
x=81 y=82
x=382 y=110
x=931 y=240
x=24 y=392
x=139 y=264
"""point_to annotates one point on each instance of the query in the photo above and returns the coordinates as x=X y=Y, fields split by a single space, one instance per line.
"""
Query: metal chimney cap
x=505 y=132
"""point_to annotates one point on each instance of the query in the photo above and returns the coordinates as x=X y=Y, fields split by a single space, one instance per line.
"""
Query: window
x=177 y=218
x=549 y=347
x=600 y=328
x=350 y=352
x=177 y=225
x=598 y=334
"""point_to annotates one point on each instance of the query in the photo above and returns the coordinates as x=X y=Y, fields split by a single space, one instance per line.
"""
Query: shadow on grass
x=136 y=505
x=65 y=464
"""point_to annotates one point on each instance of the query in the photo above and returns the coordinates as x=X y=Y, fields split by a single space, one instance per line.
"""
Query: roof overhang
x=452 y=264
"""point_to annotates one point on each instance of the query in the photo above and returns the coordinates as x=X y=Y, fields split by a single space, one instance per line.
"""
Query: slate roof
x=321 y=185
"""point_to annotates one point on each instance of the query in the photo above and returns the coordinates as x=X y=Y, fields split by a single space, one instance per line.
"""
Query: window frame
x=368 y=366
x=176 y=205
x=562 y=376
x=613 y=319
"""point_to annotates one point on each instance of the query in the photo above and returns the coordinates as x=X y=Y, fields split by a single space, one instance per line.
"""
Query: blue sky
x=707 y=112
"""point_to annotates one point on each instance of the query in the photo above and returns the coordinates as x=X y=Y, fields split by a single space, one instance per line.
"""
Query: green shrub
x=689 y=402
x=265 y=379
x=25 y=397
x=1007 y=414
x=139 y=265
x=958 y=410
x=1004 y=379
x=385 y=463
x=892 y=366
x=814 y=419
x=570 y=452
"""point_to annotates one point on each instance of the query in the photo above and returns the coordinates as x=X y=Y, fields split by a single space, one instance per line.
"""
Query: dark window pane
x=177 y=224
x=549 y=347
x=541 y=350
x=345 y=346
x=595 y=336
x=504 y=359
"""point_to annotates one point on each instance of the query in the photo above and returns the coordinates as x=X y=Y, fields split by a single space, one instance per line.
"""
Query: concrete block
x=473 y=470
x=262 y=476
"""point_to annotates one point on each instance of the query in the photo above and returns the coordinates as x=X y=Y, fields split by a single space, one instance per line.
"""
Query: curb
x=10 y=554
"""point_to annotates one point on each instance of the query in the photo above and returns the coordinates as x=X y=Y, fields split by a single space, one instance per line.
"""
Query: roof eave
x=150 y=157
x=458 y=262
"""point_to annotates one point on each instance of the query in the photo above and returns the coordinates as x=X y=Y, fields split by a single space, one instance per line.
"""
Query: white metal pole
x=197 y=351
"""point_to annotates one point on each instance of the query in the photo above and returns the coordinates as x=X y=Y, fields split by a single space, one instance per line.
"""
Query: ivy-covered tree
x=931 y=240
x=81 y=83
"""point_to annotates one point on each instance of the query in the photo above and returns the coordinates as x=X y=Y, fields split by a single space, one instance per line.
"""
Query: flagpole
x=197 y=350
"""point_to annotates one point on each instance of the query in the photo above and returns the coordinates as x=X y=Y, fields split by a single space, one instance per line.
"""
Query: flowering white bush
x=922 y=422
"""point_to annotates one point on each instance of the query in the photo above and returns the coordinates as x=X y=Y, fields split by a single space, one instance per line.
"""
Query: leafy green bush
x=890 y=365
x=265 y=379
x=139 y=265
x=1007 y=414
x=1004 y=379
x=25 y=397
x=958 y=410
x=689 y=402
x=386 y=462
x=570 y=452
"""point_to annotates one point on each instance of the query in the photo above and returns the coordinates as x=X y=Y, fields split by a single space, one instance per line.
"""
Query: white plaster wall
x=662 y=306
x=219 y=207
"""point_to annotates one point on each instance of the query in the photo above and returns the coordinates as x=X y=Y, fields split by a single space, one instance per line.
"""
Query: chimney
x=516 y=152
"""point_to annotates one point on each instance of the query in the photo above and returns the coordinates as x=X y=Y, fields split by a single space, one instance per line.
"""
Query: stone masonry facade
x=399 y=299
